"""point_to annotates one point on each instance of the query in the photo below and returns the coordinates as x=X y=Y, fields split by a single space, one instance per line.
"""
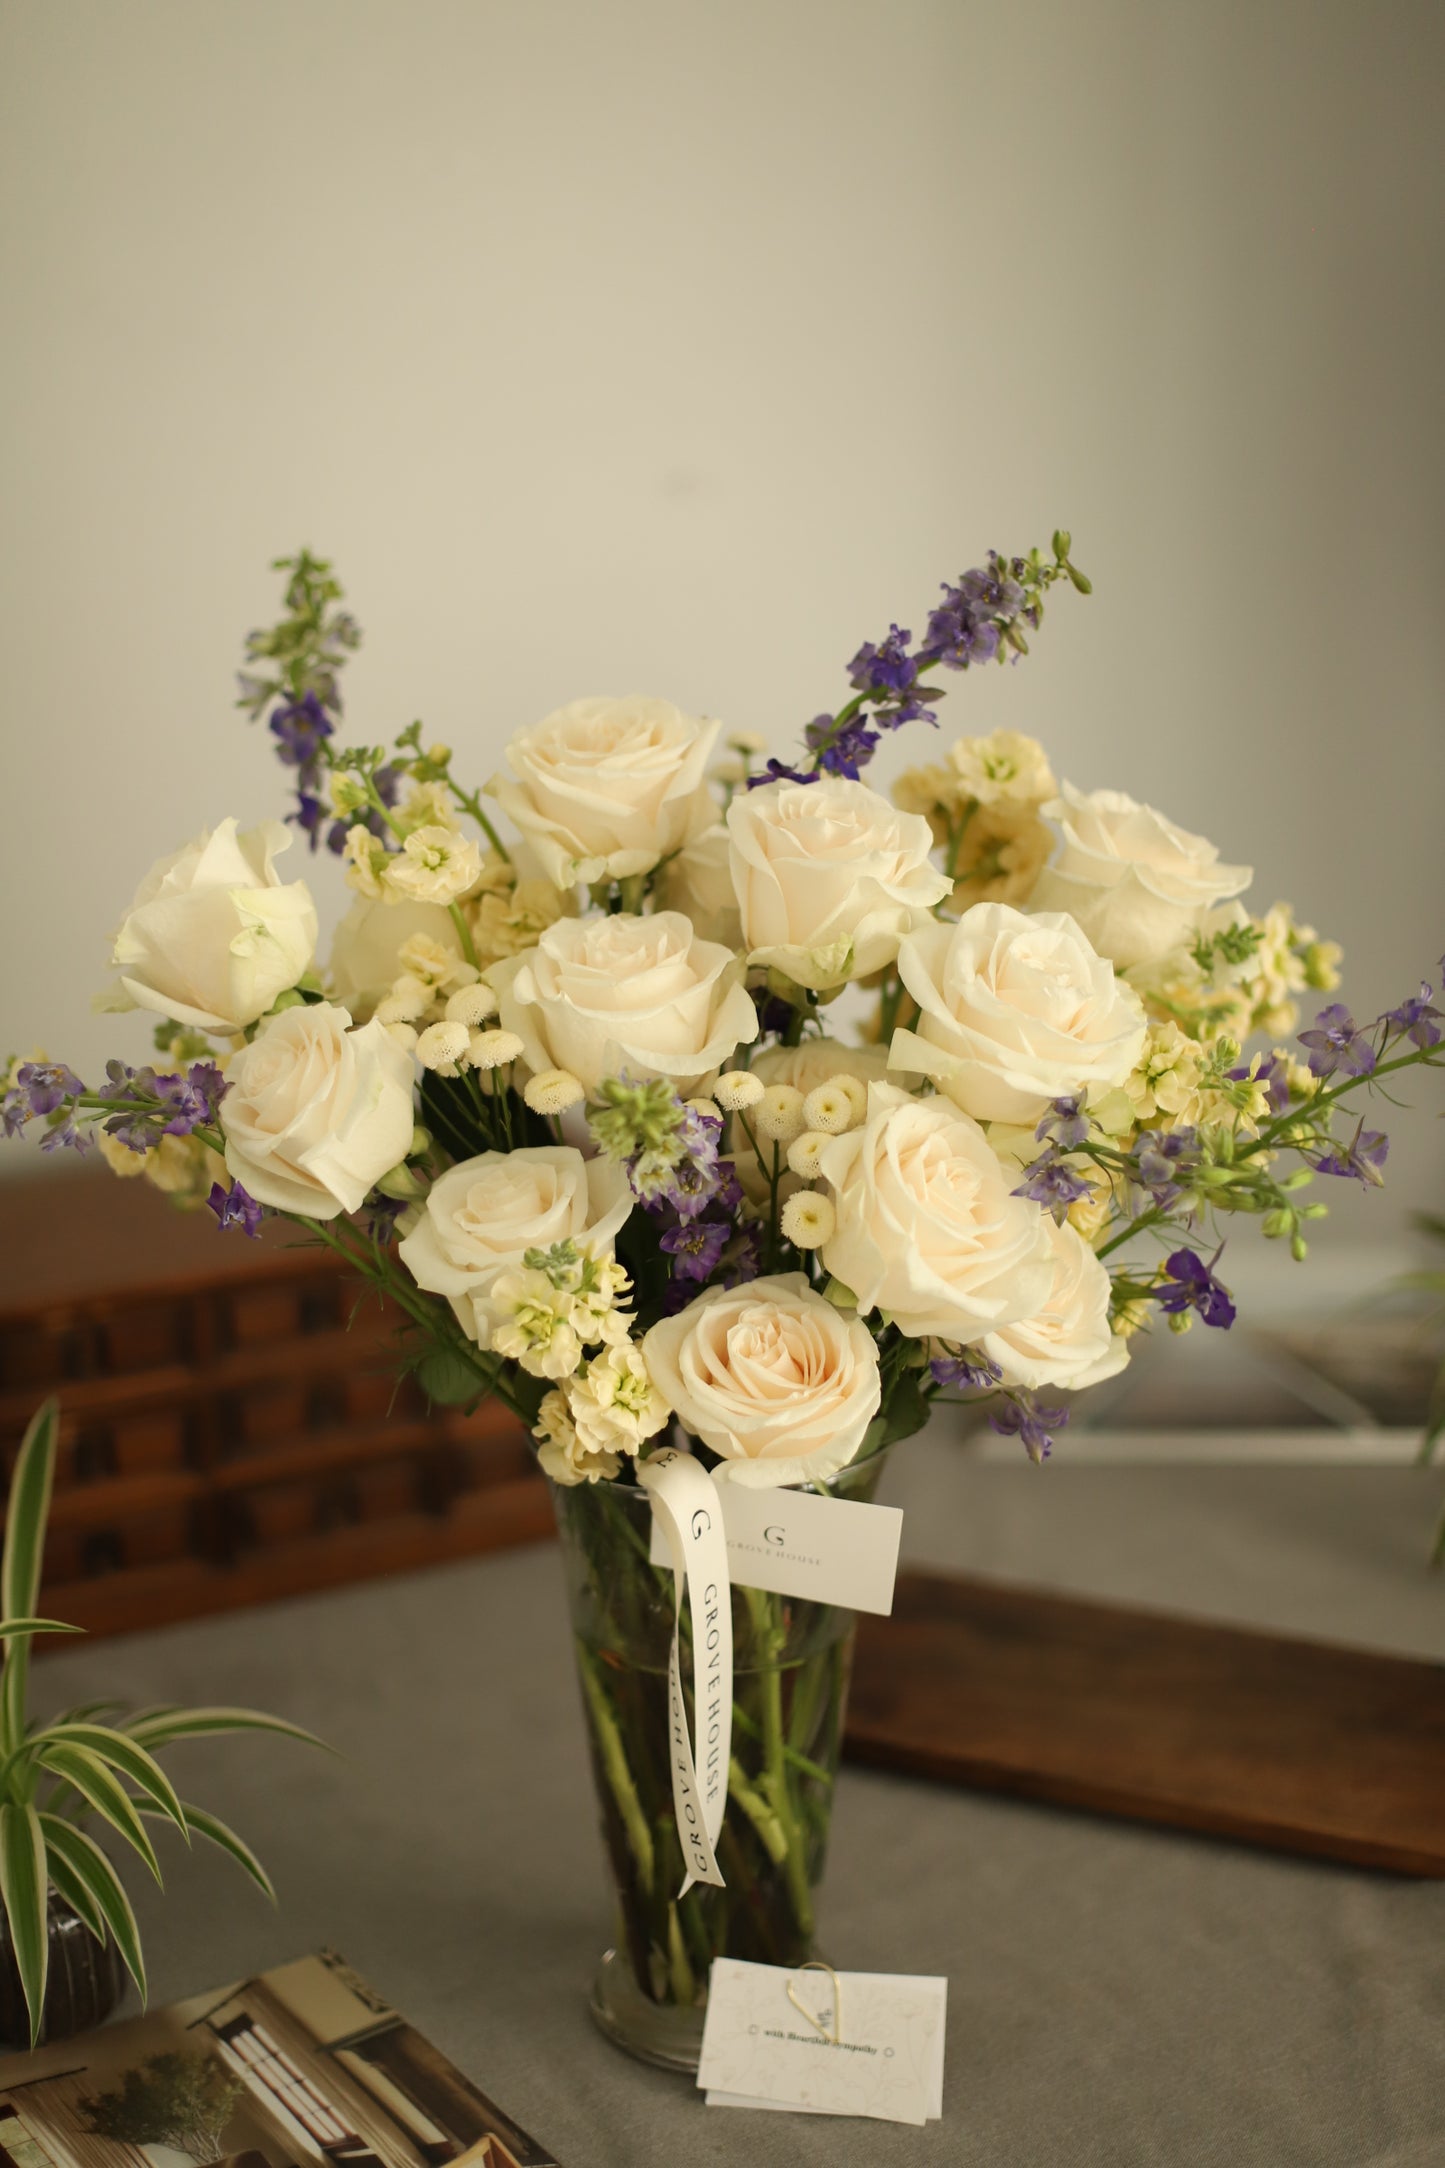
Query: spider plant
x=57 y=1777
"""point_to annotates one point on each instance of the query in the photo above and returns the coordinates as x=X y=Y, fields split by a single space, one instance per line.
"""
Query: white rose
x=366 y=949
x=1068 y=1340
x=214 y=934
x=699 y=883
x=928 y=1231
x=805 y=1066
x=484 y=1214
x=604 y=789
x=1015 y=1010
x=771 y=1376
x=1137 y=885
x=316 y=1111
x=829 y=878
x=600 y=995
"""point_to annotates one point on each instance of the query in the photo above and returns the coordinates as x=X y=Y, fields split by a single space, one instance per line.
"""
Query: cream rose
x=214 y=934
x=604 y=789
x=805 y=1066
x=829 y=878
x=366 y=949
x=1068 y=1340
x=699 y=883
x=316 y=1111
x=600 y=995
x=1015 y=1010
x=1136 y=884
x=484 y=1214
x=928 y=1231
x=771 y=1377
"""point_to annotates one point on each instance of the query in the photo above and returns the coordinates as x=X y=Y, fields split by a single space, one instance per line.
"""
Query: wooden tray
x=1295 y=1745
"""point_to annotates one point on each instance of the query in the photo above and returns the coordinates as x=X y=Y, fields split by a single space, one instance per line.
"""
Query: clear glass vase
x=790 y=1688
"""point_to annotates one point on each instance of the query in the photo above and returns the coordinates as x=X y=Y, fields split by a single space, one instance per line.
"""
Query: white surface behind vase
x=658 y=349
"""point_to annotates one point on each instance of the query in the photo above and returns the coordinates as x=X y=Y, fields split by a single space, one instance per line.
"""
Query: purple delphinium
x=841 y=752
x=1066 y=1125
x=958 y=634
x=191 y=1100
x=235 y=1207
x=1194 y=1287
x=1053 y=1185
x=301 y=727
x=696 y=1247
x=989 y=591
x=1360 y=1160
x=62 y=1134
x=1336 y=1042
x=1165 y=1159
x=1418 y=1017
x=1021 y=1417
x=885 y=667
x=45 y=1085
x=969 y=1370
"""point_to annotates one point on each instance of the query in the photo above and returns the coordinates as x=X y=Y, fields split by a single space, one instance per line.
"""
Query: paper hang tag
x=687 y=1520
x=886 y=2062
x=795 y=1543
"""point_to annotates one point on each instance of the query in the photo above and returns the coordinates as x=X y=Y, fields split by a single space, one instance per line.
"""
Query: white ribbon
x=685 y=1500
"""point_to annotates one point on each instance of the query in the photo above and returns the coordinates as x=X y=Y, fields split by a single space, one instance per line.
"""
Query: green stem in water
x=758 y=1811
x=767 y=1632
x=614 y=1761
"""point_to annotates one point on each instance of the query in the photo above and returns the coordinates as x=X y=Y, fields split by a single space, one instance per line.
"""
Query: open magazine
x=303 y=2067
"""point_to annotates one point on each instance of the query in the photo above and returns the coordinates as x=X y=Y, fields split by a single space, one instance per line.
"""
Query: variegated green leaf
x=94 y=1781
x=11 y=1626
x=208 y=1825
x=165 y=1729
x=77 y=1894
x=126 y=1755
x=85 y=1858
x=23 y=1885
x=21 y=1560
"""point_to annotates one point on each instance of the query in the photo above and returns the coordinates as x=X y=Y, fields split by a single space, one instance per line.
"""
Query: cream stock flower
x=770 y=1376
x=601 y=995
x=1137 y=885
x=998 y=855
x=562 y=1454
x=1163 y=1088
x=434 y=865
x=213 y=934
x=1015 y=1011
x=511 y=918
x=928 y=1232
x=1004 y=768
x=604 y=789
x=1067 y=1341
x=829 y=878
x=483 y=1215
x=615 y=1404
x=316 y=1110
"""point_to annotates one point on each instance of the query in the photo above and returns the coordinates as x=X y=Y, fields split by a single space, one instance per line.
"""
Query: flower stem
x=614 y=1761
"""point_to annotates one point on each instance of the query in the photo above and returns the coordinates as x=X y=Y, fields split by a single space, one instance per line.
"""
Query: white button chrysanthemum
x=855 y=1090
x=779 y=1113
x=829 y=1108
x=808 y=1219
x=803 y=1154
x=407 y=1001
x=491 y=1049
x=552 y=1091
x=738 y=1089
x=402 y=1035
x=471 y=1006
x=441 y=1047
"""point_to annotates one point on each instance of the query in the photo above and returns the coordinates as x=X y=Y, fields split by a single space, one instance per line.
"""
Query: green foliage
x=90 y=1770
x=184 y=2100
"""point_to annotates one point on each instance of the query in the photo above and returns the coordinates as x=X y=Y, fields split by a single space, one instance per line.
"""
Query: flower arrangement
x=574 y=1090
x=577 y=1103
x=58 y=1777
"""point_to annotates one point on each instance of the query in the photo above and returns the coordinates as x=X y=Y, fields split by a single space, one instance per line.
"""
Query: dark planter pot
x=85 y=1982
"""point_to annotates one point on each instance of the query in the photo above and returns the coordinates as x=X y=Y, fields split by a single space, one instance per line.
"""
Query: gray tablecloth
x=1117 y=1996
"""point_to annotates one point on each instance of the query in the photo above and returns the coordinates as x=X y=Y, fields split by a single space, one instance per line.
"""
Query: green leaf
x=24 y=1552
x=77 y=1894
x=11 y=1626
x=85 y=1858
x=83 y=1768
x=173 y=1724
x=23 y=1883
x=448 y=1378
x=126 y=1755
x=207 y=1825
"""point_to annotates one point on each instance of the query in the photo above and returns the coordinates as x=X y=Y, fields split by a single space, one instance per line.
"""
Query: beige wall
x=676 y=348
